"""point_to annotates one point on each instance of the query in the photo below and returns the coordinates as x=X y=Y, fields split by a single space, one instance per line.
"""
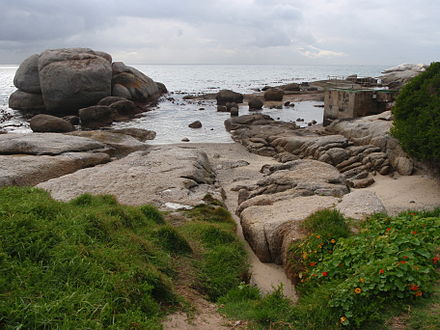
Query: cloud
x=226 y=31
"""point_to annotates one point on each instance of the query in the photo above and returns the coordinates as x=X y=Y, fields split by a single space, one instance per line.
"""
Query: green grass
x=93 y=263
x=327 y=223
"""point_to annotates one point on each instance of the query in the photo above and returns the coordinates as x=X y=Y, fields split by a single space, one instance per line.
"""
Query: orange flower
x=318 y=236
x=357 y=290
x=405 y=257
x=413 y=213
x=342 y=319
x=324 y=274
x=388 y=229
x=362 y=280
x=414 y=232
x=413 y=287
x=333 y=241
x=402 y=261
x=312 y=264
x=435 y=260
x=418 y=294
x=381 y=271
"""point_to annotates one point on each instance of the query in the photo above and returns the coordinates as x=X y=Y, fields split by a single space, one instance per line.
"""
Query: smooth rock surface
x=360 y=203
x=163 y=174
x=45 y=144
x=47 y=123
x=26 y=77
x=27 y=170
x=24 y=101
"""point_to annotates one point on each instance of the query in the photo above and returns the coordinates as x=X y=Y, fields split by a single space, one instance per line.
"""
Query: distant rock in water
x=62 y=81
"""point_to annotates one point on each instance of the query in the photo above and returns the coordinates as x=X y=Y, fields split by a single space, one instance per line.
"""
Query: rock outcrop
x=63 y=81
x=226 y=96
x=164 y=174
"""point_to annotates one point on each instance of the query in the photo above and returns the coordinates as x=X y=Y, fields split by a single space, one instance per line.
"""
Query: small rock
x=222 y=108
x=185 y=140
x=255 y=103
x=273 y=94
x=47 y=123
x=234 y=112
x=195 y=124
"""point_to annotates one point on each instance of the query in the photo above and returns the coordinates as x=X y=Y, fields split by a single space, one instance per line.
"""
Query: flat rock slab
x=164 y=174
x=121 y=144
x=45 y=144
x=360 y=204
x=28 y=170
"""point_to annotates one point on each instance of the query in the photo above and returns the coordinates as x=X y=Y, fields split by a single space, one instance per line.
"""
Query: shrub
x=417 y=115
x=391 y=259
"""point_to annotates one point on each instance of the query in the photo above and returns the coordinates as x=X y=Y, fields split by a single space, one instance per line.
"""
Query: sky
x=351 y=32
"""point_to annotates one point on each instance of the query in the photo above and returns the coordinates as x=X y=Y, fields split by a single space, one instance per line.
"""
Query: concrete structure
x=353 y=103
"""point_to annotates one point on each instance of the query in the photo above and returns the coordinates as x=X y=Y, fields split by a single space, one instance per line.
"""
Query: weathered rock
x=20 y=100
x=274 y=94
x=121 y=91
x=25 y=170
x=255 y=103
x=120 y=144
x=162 y=88
x=138 y=133
x=292 y=87
x=158 y=176
x=47 y=123
x=360 y=204
x=404 y=165
x=225 y=96
x=141 y=87
x=222 y=108
x=361 y=183
x=195 y=124
x=26 y=78
x=109 y=100
x=270 y=229
x=96 y=116
x=45 y=144
x=125 y=107
x=74 y=120
x=234 y=112
x=73 y=78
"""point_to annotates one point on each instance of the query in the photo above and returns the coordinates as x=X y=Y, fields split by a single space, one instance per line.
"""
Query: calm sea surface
x=170 y=120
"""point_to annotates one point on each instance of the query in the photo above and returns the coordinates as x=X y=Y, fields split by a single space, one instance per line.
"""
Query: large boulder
x=27 y=78
x=28 y=102
x=227 y=96
x=360 y=204
x=73 y=78
x=46 y=123
x=140 y=87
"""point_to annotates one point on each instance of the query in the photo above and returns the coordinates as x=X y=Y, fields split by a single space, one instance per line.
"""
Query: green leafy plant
x=417 y=115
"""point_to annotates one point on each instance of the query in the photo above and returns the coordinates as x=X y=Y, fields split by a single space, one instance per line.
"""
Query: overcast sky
x=227 y=31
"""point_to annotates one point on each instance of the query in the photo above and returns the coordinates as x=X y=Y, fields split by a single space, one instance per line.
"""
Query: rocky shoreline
x=273 y=176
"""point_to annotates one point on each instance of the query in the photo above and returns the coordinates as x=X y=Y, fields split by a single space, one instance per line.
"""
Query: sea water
x=171 y=119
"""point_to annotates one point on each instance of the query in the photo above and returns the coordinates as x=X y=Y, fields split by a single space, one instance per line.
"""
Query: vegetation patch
x=417 y=115
x=93 y=263
x=353 y=281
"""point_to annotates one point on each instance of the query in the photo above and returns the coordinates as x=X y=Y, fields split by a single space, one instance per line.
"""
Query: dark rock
x=293 y=87
x=273 y=94
x=47 y=123
x=74 y=78
x=26 y=78
x=255 y=103
x=162 y=88
x=234 y=111
x=222 y=108
x=141 y=87
x=20 y=100
x=74 y=120
x=195 y=124
x=125 y=107
x=109 y=100
x=185 y=140
x=96 y=116
x=121 y=91
x=265 y=88
x=225 y=96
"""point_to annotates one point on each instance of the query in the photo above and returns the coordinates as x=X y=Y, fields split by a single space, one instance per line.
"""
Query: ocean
x=170 y=120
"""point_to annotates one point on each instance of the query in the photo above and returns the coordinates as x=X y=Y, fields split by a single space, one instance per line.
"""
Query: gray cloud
x=226 y=31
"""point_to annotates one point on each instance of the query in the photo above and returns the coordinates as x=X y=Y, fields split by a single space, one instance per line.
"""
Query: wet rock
x=195 y=124
x=46 y=123
x=96 y=116
x=222 y=108
x=255 y=103
x=273 y=94
x=293 y=87
x=28 y=102
x=185 y=140
x=162 y=88
x=225 y=96
x=234 y=111
x=119 y=90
